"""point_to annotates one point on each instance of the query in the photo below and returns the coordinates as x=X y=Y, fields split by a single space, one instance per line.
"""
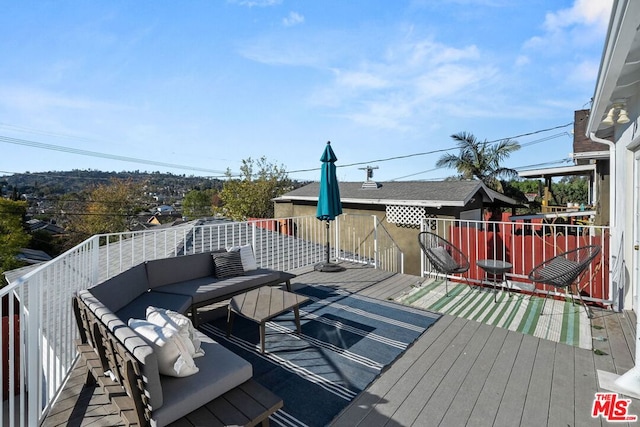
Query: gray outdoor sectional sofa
x=181 y=284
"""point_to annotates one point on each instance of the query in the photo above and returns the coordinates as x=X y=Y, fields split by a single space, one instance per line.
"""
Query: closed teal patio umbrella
x=329 y=205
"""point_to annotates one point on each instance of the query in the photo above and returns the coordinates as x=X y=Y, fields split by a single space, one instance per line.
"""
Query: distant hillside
x=41 y=184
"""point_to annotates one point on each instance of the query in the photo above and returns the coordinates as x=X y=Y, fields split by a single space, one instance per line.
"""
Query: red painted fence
x=507 y=242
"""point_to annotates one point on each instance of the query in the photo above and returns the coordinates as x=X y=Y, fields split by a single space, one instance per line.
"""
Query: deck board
x=470 y=391
x=512 y=404
x=459 y=372
x=486 y=407
x=447 y=391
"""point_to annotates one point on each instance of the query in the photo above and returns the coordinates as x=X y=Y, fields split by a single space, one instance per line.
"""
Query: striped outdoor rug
x=347 y=340
x=562 y=321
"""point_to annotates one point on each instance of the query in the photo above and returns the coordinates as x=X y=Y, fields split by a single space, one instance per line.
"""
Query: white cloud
x=273 y=51
x=568 y=40
x=583 y=12
x=32 y=99
x=292 y=19
x=359 y=79
x=256 y=3
x=413 y=79
x=583 y=23
x=584 y=72
x=522 y=60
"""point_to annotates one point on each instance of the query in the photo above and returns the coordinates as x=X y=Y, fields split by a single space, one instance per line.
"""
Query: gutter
x=612 y=174
x=619 y=297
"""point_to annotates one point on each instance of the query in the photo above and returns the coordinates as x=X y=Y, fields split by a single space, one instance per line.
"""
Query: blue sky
x=195 y=87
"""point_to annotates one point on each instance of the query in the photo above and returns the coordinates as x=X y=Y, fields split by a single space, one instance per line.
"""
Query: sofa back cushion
x=138 y=347
x=248 y=257
x=120 y=290
x=164 y=271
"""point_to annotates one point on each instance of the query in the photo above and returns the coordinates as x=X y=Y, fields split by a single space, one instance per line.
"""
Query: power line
x=52 y=147
x=449 y=149
x=533 y=133
x=537 y=141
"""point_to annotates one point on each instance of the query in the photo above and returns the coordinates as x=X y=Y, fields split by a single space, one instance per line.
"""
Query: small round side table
x=494 y=267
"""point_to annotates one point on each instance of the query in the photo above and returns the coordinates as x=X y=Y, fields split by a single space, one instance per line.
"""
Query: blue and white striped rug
x=562 y=321
x=346 y=342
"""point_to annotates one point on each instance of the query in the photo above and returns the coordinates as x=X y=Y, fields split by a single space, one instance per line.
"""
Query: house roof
x=33 y=256
x=561 y=171
x=37 y=224
x=408 y=193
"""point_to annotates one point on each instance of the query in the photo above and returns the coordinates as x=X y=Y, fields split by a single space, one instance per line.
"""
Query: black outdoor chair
x=444 y=257
x=563 y=270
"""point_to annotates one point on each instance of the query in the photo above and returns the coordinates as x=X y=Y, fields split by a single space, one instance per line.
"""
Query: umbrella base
x=328 y=267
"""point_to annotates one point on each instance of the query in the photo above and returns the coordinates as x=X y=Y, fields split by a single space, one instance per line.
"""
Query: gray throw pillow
x=227 y=264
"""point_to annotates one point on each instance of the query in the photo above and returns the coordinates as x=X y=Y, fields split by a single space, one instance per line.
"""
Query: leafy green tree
x=481 y=159
x=198 y=203
x=12 y=233
x=250 y=196
x=570 y=189
x=110 y=208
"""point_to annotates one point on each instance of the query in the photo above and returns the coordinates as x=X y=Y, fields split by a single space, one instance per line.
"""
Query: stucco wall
x=405 y=237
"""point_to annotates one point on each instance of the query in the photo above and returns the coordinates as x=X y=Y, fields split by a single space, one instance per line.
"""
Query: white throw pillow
x=169 y=347
x=247 y=256
x=181 y=323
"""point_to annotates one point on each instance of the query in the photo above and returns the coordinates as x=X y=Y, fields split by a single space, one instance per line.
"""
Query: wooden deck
x=459 y=372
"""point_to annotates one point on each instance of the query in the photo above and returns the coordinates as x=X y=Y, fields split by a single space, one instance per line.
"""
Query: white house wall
x=627 y=146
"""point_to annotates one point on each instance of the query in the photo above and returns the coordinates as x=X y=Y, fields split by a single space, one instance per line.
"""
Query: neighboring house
x=148 y=220
x=591 y=160
x=33 y=256
x=614 y=123
x=401 y=206
x=46 y=226
x=165 y=209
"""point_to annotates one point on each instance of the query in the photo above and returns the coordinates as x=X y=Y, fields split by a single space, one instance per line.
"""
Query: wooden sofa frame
x=112 y=366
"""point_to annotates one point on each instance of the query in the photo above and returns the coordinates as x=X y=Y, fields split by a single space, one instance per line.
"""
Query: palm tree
x=481 y=160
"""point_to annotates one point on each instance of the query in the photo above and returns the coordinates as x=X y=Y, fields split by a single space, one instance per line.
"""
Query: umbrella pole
x=327 y=247
x=328 y=266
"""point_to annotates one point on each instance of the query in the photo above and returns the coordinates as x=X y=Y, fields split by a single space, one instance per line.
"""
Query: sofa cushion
x=137 y=309
x=179 y=322
x=248 y=257
x=171 y=349
x=210 y=288
x=142 y=351
x=164 y=271
x=227 y=264
x=120 y=290
x=220 y=371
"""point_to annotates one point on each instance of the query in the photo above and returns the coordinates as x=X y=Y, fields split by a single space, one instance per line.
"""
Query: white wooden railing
x=525 y=245
x=38 y=323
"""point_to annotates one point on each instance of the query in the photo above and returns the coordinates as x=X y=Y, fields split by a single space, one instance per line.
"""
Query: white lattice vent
x=405 y=215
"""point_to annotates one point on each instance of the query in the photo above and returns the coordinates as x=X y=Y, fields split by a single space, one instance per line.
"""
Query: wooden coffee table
x=263 y=304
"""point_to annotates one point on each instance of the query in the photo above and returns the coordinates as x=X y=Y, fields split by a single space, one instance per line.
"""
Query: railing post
x=423 y=227
x=254 y=238
x=375 y=241
x=33 y=351
x=95 y=260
